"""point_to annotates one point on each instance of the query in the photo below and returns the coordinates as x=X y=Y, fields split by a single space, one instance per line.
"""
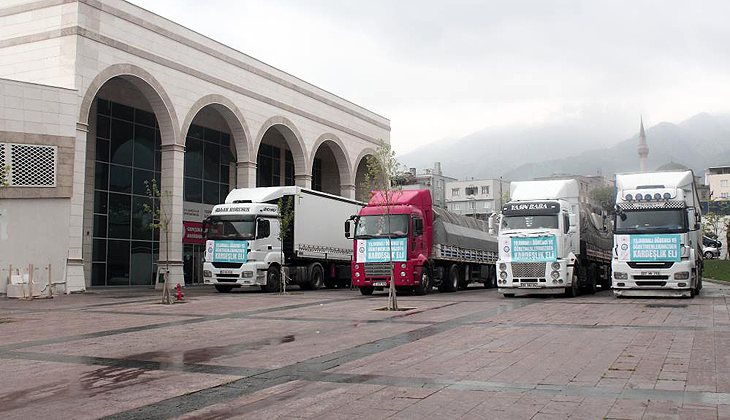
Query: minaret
x=643 y=148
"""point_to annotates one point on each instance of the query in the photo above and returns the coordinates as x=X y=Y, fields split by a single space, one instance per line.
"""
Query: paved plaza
x=330 y=355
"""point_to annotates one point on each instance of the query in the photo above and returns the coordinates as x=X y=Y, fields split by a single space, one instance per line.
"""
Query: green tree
x=286 y=218
x=382 y=170
x=4 y=177
x=161 y=219
x=605 y=197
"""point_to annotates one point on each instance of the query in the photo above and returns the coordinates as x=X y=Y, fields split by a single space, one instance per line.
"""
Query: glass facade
x=124 y=249
x=268 y=171
x=208 y=158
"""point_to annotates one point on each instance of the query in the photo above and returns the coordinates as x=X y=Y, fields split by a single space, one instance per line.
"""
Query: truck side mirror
x=347 y=229
x=491 y=225
x=263 y=230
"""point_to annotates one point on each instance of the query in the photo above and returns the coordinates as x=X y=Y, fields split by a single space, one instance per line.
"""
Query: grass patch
x=717 y=270
x=5 y=320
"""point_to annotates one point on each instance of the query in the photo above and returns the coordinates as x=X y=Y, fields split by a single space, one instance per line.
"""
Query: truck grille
x=378 y=270
x=528 y=270
x=645 y=265
x=226 y=265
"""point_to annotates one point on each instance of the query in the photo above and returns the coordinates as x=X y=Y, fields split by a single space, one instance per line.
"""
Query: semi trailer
x=402 y=237
x=551 y=242
x=657 y=235
x=243 y=245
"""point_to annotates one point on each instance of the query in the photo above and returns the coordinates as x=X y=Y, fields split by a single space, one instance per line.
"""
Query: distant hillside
x=699 y=142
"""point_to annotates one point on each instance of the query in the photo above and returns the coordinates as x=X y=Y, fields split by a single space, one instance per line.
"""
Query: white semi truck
x=243 y=246
x=550 y=242
x=657 y=235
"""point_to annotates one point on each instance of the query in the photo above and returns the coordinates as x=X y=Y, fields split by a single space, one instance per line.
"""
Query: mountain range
x=519 y=154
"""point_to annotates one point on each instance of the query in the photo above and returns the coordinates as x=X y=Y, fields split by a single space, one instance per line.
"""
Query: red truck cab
x=399 y=223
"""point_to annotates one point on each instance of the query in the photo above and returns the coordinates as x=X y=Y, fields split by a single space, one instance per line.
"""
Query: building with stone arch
x=98 y=97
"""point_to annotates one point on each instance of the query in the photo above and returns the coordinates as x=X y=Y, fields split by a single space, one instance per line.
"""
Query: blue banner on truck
x=226 y=251
x=540 y=248
x=376 y=250
x=655 y=247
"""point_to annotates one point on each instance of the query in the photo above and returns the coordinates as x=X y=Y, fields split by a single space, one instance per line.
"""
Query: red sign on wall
x=193 y=233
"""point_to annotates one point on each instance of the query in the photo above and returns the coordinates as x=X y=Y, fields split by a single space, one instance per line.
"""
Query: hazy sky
x=448 y=68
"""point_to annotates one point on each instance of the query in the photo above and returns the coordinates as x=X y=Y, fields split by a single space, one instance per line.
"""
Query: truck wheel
x=592 y=277
x=452 y=280
x=574 y=289
x=367 y=291
x=273 y=280
x=509 y=295
x=426 y=283
x=223 y=289
x=316 y=277
x=492 y=280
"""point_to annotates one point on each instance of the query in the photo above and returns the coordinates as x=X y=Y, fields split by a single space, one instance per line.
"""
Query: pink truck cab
x=429 y=245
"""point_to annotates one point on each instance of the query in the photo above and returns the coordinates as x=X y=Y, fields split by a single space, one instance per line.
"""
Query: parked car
x=711 y=248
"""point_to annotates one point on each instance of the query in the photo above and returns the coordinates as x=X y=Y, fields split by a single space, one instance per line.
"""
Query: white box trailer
x=657 y=235
x=243 y=246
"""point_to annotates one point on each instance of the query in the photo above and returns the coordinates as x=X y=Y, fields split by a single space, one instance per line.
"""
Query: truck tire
x=223 y=289
x=316 y=277
x=273 y=280
x=452 y=279
x=509 y=295
x=491 y=281
x=366 y=290
x=592 y=276
x=574 y=290
x=606 y=279
x=426 y=282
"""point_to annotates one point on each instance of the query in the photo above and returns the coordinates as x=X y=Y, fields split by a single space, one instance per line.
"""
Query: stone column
x=303 y=180
x=246 y=174
x=347 y=191
x=75 y=279
x=173 y=160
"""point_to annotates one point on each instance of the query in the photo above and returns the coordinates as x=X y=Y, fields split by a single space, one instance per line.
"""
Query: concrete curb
x=726 y=283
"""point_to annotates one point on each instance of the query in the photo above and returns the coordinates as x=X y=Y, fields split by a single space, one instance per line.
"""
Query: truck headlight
x=402 y=273
x=502 y=267
x=620 y=276
x=357 y=274
x=503 y=275
x=555 y=266
x=554 y=275
x=682 y=275
x=357 y=266
x=403 y=265
x=247 y=274
x=207 y=273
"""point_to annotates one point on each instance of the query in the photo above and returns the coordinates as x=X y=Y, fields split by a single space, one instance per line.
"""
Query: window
x=455 y=192
x=723 y=183
x=472 y=190
x=485 y=190
x=124 y=249
x=207 y=165
x=724 y=195
x=317 y=175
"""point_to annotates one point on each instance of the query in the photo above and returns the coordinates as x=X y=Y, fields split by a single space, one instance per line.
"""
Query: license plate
x=650 y=273
x=226 y=271
x=380 y=283
x=529 y=286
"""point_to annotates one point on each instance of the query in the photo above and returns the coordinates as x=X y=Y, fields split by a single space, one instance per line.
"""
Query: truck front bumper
x=662 y=282
x=533 y=278
x=252 y=273
x=406 y=274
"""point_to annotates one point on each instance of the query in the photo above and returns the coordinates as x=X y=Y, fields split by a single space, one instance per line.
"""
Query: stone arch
x=153 y=91
x=234 y=118
x=358 y=174
x=294 y=140
x=337 y=147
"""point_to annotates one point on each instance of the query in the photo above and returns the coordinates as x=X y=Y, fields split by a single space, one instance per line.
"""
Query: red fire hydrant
x=179 y=293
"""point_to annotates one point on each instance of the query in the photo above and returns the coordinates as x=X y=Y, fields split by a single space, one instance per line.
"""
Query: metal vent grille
x=378 y=270
x=528 y=270
x=30 y=165
x=3 y=164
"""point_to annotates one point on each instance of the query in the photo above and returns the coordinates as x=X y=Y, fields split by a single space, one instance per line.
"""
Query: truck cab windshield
x=377 y=226
x=231 y=227
x=549 y=221
x=651 y=221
